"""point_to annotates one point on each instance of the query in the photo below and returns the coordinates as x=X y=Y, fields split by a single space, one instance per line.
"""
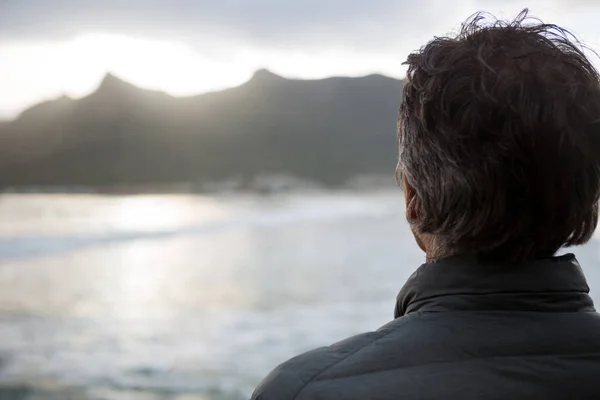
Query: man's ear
x=412 y=201
x=413 y=216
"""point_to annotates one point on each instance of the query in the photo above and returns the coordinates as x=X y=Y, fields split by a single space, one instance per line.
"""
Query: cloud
x=216 y=25
x=259 y=22
x=303 y=38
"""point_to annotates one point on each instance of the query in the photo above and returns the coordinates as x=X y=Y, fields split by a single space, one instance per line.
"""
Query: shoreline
x=260 y=186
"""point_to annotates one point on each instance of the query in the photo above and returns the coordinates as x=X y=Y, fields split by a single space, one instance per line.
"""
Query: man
x=499 y=138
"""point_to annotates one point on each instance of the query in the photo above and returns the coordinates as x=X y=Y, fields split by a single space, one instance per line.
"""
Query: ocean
x=183 y=297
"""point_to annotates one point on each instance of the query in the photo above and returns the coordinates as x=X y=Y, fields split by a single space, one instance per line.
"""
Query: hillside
x=325 y=130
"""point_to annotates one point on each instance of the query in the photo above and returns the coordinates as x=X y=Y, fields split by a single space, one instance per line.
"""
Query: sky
x=50 y=48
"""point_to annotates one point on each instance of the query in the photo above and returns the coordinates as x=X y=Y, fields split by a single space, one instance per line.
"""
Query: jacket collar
x=464 y=283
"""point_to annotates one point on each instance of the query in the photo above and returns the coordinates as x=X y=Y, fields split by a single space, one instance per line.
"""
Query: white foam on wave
x=225 y=353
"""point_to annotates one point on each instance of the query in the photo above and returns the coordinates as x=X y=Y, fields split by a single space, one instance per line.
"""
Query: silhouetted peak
x=377 y=76
x=112 y=83
x=264 y=75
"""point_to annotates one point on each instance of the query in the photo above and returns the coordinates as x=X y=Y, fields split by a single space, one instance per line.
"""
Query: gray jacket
x=464 y=330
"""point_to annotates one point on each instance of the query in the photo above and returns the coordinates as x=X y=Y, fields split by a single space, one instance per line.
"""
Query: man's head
x=499 y=136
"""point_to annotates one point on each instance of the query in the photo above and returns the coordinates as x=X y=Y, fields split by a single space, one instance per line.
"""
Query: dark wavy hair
x=499 y=135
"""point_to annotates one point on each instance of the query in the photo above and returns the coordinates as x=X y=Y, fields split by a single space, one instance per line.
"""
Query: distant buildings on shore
x=262 y=184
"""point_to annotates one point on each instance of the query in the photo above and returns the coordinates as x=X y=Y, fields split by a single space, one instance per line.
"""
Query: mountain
x=327 y=130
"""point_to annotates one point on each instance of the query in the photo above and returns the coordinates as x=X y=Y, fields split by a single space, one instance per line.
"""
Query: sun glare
x=156 y=64
x=32 y=72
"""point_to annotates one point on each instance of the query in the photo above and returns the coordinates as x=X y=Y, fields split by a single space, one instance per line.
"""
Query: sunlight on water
x=140 y=213
x=138 y=288
x=42 y=215
x=191 y=298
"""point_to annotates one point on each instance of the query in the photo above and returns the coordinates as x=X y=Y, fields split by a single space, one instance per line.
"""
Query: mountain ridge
x=327 y=130
x=112 y=80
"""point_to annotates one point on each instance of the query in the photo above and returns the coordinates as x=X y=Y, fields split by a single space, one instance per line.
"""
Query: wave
x=24 y=247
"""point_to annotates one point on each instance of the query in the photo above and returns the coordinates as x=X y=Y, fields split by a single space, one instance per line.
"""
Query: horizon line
x=112 y=76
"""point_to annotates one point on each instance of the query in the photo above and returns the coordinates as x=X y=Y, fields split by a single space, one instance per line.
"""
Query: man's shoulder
x=289 y=379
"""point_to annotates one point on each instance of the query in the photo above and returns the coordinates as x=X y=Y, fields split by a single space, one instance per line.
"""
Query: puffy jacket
x=464 y=330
